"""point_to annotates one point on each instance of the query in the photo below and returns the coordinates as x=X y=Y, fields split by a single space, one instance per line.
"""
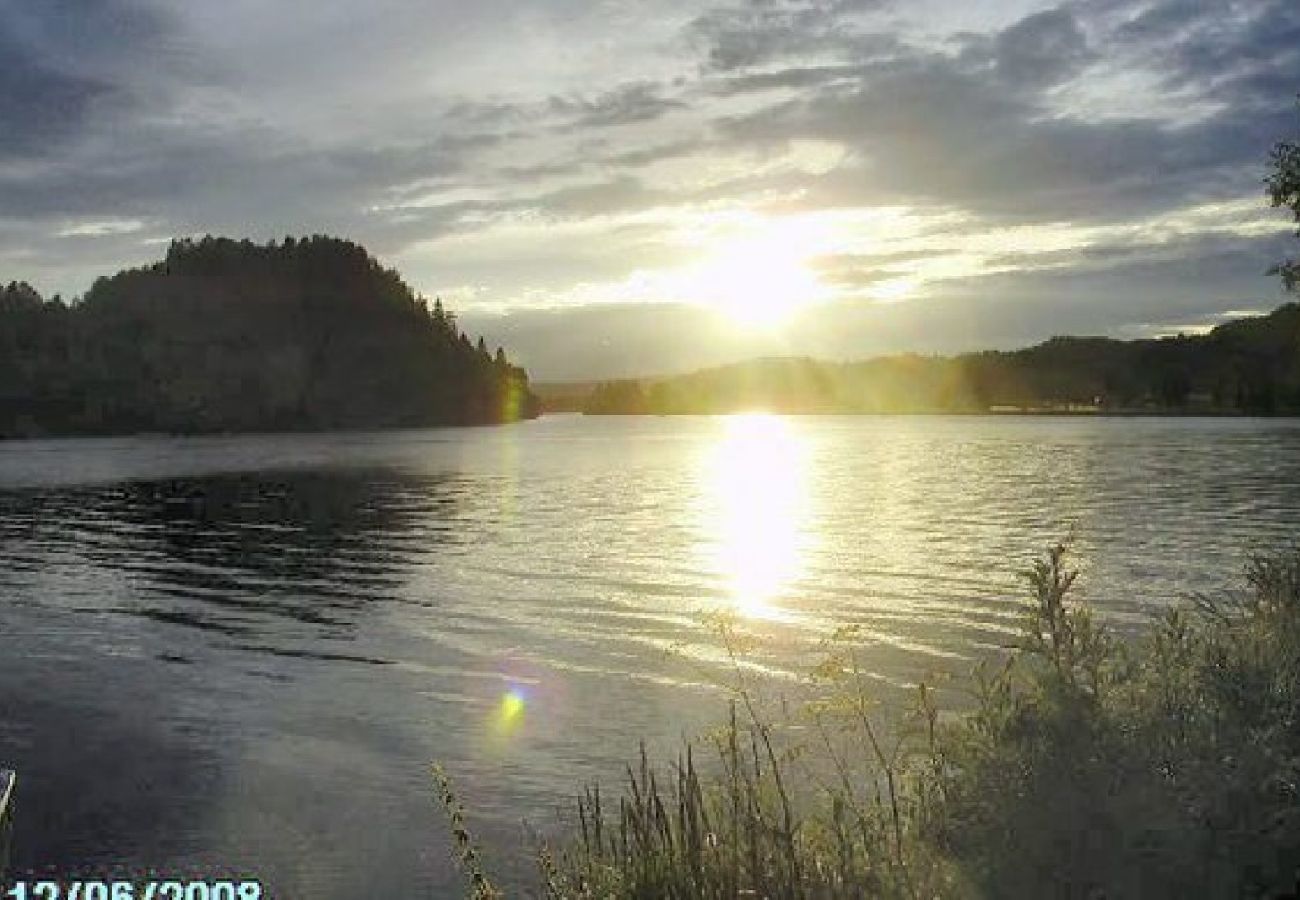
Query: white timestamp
x=135 y=890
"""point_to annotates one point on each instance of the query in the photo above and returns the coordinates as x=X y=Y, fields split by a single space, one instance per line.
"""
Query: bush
x=1164 y=767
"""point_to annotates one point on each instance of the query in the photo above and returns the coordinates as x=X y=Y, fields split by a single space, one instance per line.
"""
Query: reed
x=467 y=853
x=1165 y=766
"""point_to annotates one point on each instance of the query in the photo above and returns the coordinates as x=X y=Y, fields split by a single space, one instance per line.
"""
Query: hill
x=1246 y=366
x=232 y=336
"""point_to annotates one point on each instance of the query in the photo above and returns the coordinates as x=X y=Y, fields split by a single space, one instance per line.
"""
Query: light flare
x=760 y=274
x=510 y=711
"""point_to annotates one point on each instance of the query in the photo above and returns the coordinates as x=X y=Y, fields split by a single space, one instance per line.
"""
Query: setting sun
x=761 y=277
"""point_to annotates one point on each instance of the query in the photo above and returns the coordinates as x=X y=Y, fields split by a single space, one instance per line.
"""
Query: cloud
x=101 y=227
x=1104 y=291
x=864 y=269
x=1041 y=49
x=44 y=98
x=1237 y=51
x=513 y=154
x=980 y=129
x=629 y=103
x=753 y=34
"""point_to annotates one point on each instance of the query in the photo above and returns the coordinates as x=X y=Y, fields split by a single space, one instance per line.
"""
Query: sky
x=614 y=188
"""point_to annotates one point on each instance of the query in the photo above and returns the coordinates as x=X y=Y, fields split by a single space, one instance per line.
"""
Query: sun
x=755 y=290
x=761 y=277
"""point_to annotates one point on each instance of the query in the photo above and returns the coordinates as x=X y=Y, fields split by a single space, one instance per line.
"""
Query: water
x=238 y=655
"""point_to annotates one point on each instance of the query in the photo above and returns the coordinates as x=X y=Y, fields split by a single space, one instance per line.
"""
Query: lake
x=239 y=655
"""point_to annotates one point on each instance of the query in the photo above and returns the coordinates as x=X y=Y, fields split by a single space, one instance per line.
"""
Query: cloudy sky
x=619 y=187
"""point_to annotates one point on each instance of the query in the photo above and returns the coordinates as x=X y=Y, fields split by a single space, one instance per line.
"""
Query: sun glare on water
x=757 y=520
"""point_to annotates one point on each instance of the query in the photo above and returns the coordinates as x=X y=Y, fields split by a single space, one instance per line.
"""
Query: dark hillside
x=1246 y=366
x=226 y=335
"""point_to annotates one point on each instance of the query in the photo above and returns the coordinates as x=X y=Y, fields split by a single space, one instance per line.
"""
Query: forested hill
x=229 y=336
x=1249 y=366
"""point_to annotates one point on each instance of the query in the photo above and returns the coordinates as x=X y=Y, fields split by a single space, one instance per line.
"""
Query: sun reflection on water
x=757 y=514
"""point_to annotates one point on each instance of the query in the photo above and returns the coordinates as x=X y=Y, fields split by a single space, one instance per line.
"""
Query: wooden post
x=7 y=779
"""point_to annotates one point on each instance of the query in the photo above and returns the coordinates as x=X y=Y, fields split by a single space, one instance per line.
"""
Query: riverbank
x=1245 y=366
x=1164 y=767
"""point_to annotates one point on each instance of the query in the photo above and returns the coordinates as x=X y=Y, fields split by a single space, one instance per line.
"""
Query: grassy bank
x=1165 y=766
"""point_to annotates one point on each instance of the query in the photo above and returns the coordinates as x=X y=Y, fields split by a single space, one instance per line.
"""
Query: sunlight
x=761 y=277
x=758 y=515
x=510 y=711
x=893 y=290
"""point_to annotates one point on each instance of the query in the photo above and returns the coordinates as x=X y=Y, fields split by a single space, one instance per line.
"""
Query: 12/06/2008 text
x=129 y=890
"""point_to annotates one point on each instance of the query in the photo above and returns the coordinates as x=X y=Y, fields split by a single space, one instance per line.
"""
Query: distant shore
x=1249 y=366
x=989 y=413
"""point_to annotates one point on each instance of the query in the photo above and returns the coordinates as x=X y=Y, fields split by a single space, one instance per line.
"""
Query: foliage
x=1250 y=365
x=226 y=335
x=1087 y=767
x=616 y=397
x=467 y=854
x=1284 y=190
x=1167 y=768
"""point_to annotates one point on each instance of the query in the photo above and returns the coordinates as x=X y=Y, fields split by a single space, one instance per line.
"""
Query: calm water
x=239 y=655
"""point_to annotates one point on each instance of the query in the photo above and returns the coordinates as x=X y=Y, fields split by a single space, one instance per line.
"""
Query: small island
x=232 y=336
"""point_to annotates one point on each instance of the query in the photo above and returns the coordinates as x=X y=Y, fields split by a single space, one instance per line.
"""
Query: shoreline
x=1001 y=413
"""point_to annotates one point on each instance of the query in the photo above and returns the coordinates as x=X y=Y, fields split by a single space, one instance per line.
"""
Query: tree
x=1284 y=190
x=226 y=335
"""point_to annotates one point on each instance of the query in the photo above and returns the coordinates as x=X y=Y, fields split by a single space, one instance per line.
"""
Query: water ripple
x=269 y=615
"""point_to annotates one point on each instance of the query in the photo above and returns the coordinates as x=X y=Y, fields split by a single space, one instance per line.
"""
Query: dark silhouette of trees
x=1249 y=365
x=224 y=335
x=1284 y=190
x=617 y=397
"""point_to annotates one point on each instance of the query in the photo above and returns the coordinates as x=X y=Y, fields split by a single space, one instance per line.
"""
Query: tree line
x=1250 y=365
x=232 y=336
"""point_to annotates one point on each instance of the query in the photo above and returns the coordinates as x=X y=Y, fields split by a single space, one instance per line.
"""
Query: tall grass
x=1168 y=766
x=467 y=853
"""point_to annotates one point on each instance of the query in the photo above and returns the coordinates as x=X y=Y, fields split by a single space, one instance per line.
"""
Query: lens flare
x=512 y=400
x=510 y=711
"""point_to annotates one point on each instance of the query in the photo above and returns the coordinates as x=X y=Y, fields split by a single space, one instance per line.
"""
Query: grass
x=1166 y=766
